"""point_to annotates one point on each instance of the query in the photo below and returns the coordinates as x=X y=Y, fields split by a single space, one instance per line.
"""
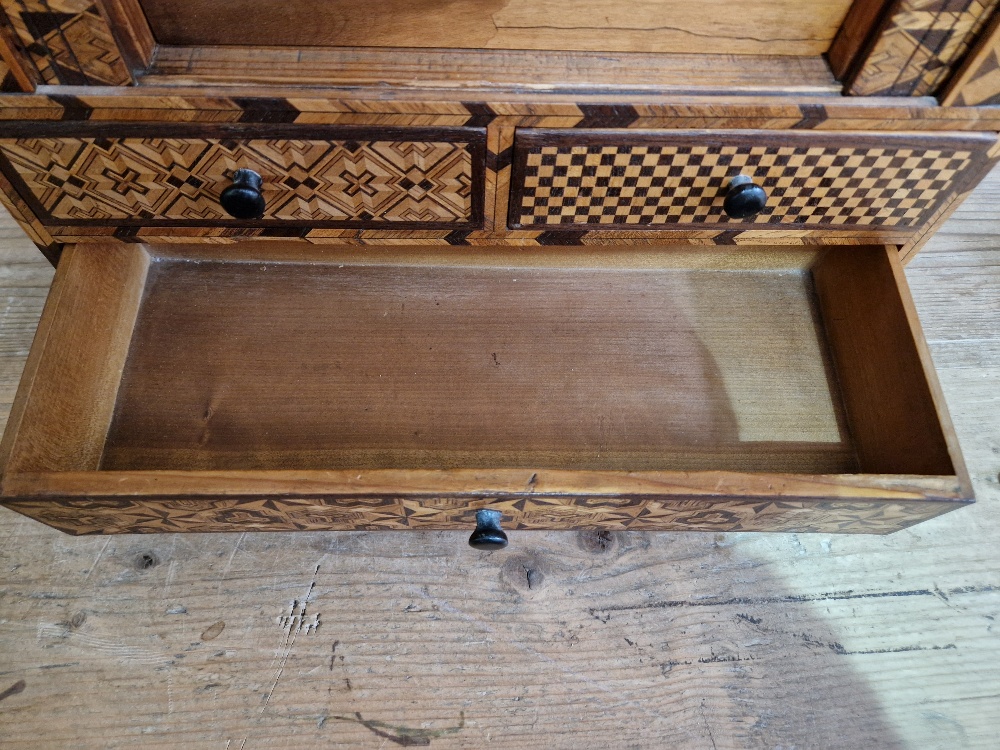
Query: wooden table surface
x=563 y=640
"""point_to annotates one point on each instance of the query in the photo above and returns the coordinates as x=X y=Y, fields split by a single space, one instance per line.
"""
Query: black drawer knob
x=243 y=199
x=488 y=534
x=744 y=198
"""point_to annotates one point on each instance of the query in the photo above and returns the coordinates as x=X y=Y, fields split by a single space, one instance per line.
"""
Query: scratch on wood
x=172 y=567
x=17 y=687
x=596 y=612
x=719 y=659
x=97 y=559
x=834 y=646
x=229 y=562
x=616 y=697
x=404 y=736
x=170 y=693
x=708 y=726
x=292 y=624
x=298 y=618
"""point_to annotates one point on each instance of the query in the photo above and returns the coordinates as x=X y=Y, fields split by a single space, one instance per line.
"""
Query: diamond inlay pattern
x=148 y=179
x=892 y=186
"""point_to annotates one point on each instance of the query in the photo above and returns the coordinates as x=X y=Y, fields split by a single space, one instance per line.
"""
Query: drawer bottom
x=187 y=388
x=387 y=365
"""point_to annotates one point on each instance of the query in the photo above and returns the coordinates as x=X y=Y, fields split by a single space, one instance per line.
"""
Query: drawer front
x=630 y=180
x=400 y=179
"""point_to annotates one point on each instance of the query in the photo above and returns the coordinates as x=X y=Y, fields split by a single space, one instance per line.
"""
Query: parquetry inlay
x=686 y=184
x=83 y=179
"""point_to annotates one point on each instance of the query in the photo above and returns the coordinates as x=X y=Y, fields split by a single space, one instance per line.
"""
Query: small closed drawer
x=606 y=179
x=273 y=385
x=414 y=178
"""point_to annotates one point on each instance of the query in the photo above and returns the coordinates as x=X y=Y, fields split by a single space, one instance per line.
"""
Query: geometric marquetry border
x=170 y=105
x=977 y=82
x=100 y=515
x=905 y=47
x=65 y=42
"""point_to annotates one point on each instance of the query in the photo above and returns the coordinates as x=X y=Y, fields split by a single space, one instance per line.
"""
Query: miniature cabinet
x=407 y=261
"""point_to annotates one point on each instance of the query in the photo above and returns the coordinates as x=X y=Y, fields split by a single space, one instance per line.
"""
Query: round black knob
x=488 y=534
x=744 y=198
x=242 y=199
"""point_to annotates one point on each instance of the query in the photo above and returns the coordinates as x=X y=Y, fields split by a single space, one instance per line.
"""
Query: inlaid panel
x=978 y=81
x=68 y=41
x=421 y=179
x=655 y=179
x=918 y=45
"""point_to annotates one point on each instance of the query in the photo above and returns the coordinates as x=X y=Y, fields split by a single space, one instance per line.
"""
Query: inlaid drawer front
x=657 y=179
x=415 y=178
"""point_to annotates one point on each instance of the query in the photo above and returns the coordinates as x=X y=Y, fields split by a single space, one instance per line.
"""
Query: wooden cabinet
x=494 y=267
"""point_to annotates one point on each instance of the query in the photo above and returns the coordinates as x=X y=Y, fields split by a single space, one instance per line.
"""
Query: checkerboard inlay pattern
x=891 y=186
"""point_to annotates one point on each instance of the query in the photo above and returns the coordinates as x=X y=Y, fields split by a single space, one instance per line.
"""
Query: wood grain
x=61 y=415
x=512 y=69
x=447 y=365
x=781 y=27
x=885 y=376
x=131 y=31
x=617 y=639
x=862 y=25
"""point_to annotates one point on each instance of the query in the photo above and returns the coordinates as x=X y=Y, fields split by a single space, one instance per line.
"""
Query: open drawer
x=275 y=387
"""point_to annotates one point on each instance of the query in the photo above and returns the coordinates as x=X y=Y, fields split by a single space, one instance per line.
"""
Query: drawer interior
x=557 y=360
x=661 y=359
